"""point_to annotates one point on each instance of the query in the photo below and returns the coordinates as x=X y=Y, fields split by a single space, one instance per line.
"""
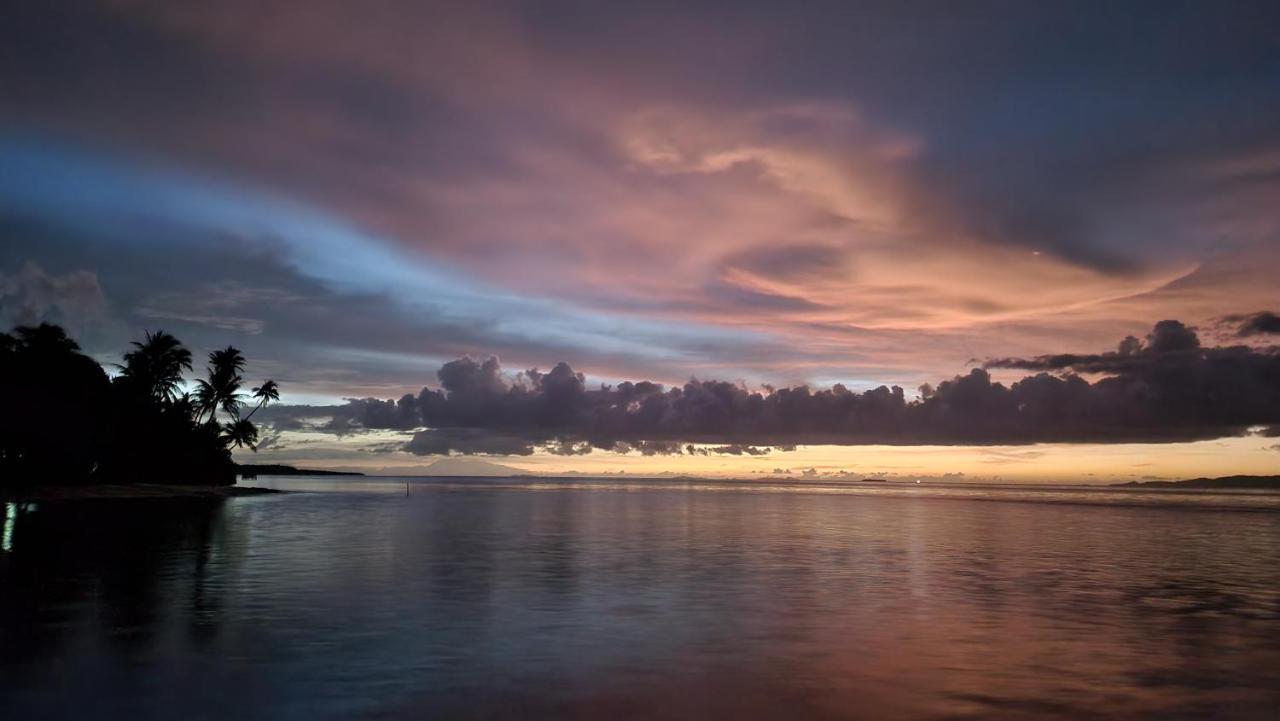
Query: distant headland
x=253 y=470
x=1243 y=482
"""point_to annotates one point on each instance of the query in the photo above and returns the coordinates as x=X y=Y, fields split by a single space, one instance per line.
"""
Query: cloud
x=1165 y=389
x=1168 y=341
x=647 y=447
x=271 y=439
x=217 y=304
x=466 y=441
x=1260 y=323
x=31 y=296
x=238 y=265
x=734 y=450
x=1006 y=189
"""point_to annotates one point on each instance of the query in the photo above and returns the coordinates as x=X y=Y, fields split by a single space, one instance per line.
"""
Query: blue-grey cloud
x=87 y=233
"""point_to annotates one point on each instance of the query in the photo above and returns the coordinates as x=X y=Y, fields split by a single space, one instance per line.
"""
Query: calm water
x=515 y=598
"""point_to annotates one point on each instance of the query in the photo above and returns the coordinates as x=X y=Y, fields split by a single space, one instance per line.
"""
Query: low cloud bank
x=1163 y=388
x=1261 y=323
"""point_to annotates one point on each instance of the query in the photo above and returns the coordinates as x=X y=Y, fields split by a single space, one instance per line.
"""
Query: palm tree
x=155 y=365
x=222 y=390
x=266 y=393
x=183 y=406
x=204 y=399
x=241 y=433
x=45 y=338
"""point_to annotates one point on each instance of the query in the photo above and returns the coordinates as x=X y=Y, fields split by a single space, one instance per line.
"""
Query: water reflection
x=10 y=517
x=499 y=600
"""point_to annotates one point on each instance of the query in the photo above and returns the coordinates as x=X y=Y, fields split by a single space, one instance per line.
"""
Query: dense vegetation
x=65 y=421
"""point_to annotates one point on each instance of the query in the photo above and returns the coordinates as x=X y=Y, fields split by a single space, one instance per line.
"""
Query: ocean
x=626 y=599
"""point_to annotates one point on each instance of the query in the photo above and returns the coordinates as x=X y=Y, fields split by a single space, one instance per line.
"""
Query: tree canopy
x=65 y=421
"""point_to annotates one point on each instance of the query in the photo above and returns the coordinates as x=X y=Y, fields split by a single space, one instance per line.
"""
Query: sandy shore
x=138 y=490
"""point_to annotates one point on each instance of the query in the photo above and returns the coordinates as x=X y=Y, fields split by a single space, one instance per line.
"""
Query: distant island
x=252 y=470
x=1254 y=482
x=454 y=466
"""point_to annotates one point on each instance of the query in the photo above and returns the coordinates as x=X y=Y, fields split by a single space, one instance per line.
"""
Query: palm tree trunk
x=255 y=410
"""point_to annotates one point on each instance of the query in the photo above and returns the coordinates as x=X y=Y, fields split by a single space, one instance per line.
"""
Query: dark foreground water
x=611 y=600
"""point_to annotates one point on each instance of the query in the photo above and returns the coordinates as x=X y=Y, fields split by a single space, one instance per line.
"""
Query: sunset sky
x=778 y=195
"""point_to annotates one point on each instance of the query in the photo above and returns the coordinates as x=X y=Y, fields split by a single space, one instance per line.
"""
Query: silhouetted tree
x=66 y=422
x=266 y=393
x=155 y=365
x=241 y=434
x=52 y=426
x=222 y=388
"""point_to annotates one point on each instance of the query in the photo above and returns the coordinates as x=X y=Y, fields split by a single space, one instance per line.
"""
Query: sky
x=724 y=199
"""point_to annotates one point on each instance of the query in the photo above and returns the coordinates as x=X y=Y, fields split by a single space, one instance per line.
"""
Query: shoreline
x=1265 y=483
x=133 y=490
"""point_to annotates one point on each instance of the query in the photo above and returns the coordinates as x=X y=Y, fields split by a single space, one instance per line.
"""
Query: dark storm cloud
x=1165 y=389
